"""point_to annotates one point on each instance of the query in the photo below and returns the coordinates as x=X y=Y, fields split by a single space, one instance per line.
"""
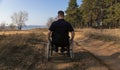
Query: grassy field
x=18 y=49
x=104 y=44
x=104 y=34
x=24 y=50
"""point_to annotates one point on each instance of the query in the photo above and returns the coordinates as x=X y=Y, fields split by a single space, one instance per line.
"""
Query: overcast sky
x=39 y=10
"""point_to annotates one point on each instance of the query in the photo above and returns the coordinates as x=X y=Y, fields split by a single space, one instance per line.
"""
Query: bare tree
x=50 y=20
x=12 y=26
x=2 y=25
x=19 y=19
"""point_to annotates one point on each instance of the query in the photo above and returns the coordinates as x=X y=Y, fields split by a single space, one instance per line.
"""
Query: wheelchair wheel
x=71 y=51
x=48 y=50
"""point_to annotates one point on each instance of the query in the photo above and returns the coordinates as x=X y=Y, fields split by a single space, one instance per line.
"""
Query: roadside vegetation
x=19 y=51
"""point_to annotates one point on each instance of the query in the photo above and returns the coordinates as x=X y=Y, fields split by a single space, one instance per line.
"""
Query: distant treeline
x=94 y=13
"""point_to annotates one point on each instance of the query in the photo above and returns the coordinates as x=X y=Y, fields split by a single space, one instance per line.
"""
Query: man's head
x=60 y=14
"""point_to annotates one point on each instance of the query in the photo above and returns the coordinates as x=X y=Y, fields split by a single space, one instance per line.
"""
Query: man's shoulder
x=54 y=22
x=58 y=21
x=67 y=23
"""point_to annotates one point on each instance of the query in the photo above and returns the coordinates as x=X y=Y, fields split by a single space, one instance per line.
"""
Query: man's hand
x=72 y=36
x=49 y=35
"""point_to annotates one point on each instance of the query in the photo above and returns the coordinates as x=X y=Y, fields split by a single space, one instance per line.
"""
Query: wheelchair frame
x=49 y=50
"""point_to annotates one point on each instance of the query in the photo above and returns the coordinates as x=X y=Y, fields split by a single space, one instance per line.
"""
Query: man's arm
x=72 y=35
x=49 y=35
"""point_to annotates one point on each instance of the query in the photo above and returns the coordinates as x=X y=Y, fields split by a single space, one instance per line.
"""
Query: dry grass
x=13 y=32
x=104 y=44
x=105 y=34
x=19 y=51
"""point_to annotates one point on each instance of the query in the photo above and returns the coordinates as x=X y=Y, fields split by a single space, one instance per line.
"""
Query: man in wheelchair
x=59 y=33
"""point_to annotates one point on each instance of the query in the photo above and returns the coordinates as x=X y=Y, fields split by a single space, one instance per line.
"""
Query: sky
x=39 y=10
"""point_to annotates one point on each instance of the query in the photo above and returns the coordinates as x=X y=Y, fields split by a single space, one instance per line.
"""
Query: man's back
x=60 y=32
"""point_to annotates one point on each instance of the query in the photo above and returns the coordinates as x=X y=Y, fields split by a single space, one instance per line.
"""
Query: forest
x=94 y=13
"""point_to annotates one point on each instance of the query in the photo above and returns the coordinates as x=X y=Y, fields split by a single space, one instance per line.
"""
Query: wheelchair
x=49 y=49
